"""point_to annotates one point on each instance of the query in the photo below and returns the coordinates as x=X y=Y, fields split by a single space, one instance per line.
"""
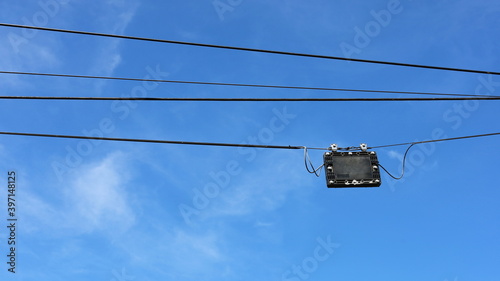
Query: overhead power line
x=244 y=99
x=436 y=140
x=411 y=144
x=307 y=161
x=230 y=144
x=238 y=84
x=157 y=141
x=249 y=49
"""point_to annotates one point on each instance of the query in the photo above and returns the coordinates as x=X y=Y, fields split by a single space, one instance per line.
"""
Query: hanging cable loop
x=309 y=165
x=404 y=163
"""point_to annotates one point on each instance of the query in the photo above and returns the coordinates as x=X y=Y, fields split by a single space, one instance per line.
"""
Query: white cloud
x=204 y=245
x=98 y=198
x=41 y=52
x=395 y=154
x=260 y=224
x=252 y=193
x=95 y=200
x=118 y=15
x=25 y=57
x=174 y=251
x=38 y=214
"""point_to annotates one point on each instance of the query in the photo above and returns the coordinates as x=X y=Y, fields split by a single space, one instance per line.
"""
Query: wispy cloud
x=395 y=154
x=44 y=53
x=39 y=214
x=173 y=251
x=118 y=15
x=33 y=56
x=205 y=245
x=251 y=193
x=98 y=198
x=95 y=200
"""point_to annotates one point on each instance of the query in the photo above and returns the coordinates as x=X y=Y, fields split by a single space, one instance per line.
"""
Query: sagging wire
x=246 y=49
x=309 y=165
x=404 y=162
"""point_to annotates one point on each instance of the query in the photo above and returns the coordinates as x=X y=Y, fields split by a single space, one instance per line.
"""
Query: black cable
x=248 y=49
x=419 y=142
x=157 y=141
x=308 y=163
x=411 y=144
x=238 y=84
x=403 y=169
x=245 y=99
x=436 y=140
x=230 y=144
x=310 y=169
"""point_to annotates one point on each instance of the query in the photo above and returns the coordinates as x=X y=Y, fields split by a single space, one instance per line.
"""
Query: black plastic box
x=351 y=169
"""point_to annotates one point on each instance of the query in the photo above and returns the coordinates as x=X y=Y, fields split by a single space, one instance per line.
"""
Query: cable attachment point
x=363 y=147
x=309 y=165
x=334 y=147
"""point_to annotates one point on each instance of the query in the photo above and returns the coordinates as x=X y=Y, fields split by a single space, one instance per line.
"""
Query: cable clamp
x=363 y=147
x=334 y=147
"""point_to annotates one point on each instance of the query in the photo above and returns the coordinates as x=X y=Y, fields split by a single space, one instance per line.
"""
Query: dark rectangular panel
x=351 y=169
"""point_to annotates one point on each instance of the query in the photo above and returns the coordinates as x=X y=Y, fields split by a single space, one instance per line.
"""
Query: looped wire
x=309 y=165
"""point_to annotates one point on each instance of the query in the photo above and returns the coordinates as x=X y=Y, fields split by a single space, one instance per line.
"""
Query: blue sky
x=95 y=210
